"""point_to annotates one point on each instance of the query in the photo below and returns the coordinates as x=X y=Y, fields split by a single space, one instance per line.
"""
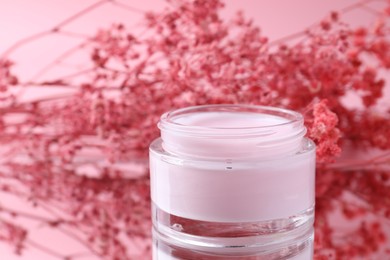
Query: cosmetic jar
x=232 y=182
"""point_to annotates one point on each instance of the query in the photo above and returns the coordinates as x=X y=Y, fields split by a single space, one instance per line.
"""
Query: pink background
x=21 y=18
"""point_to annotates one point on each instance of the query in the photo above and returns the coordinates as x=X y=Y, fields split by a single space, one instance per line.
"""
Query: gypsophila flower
x=84 y=154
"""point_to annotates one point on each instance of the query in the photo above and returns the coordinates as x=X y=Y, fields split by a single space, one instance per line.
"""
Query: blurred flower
x=78 y=153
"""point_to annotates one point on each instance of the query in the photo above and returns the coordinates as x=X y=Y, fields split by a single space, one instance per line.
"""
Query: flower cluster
x=84 y=154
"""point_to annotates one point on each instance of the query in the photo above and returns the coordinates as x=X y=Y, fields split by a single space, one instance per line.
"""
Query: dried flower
x=67 y=152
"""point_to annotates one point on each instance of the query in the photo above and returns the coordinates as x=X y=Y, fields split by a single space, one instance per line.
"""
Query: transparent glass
x=232 y=181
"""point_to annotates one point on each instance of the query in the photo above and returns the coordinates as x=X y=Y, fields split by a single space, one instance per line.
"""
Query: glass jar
x=232 y=181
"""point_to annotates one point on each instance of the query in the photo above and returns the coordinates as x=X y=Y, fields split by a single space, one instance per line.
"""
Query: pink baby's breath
x=84 y=154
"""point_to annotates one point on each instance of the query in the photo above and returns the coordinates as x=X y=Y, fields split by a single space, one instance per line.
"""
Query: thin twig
x=80 y=240
x=58 y=60
x=45 y=249
x=127 y=7
x=79 y=14
x=24 y=214
x=302 y=33
x=54 y=29
x=22 y=42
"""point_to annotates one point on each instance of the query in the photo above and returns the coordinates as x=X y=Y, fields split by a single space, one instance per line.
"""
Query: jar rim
x=168 y=121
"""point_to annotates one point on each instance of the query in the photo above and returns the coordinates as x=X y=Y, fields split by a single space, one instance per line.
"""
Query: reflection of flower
x=190 y=56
